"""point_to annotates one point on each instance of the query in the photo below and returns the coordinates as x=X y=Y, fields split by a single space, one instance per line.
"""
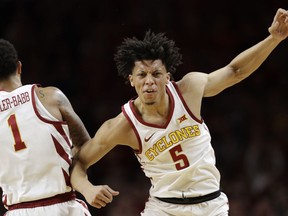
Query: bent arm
x=96 y=195
x=58 y=105
x=77 y=130
x=91 y=152
x=109 y=135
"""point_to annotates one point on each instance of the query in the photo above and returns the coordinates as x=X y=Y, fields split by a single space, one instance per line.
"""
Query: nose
x=149 y=79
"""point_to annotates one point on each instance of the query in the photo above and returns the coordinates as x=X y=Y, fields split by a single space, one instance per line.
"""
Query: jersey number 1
x=19 y=144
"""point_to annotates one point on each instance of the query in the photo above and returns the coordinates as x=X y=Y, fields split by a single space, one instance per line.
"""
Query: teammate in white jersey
x=163 y=124
x=38 y=130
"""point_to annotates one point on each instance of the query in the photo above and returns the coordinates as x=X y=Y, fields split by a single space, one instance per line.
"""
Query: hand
x=279 y=26
x=99 y=196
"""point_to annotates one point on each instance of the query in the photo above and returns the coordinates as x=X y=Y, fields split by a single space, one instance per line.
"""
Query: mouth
x=148 y=91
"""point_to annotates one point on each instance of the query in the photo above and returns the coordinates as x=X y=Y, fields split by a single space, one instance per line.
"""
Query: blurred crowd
x=70 y=44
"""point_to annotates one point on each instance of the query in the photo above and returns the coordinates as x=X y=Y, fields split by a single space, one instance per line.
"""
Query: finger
x=99 y=203
x=113 y=192
x=104 y=196
x=110 y=189
x=96 y=205
x=110 y=192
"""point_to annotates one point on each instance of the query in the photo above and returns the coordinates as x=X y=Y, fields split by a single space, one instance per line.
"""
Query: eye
x=157 y=74
x=141 y=74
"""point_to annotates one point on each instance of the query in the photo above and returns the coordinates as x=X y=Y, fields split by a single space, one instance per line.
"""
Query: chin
x=150 y=103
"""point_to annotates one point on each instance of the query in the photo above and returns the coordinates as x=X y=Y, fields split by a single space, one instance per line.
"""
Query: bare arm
x=59 y=106
x=90 y=153
x=78 y=132
x=55 y=101
x=249 y=60
x=112 y=133
x=196 y=85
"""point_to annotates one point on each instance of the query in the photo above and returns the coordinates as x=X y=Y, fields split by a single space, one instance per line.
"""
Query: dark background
x=70 y=44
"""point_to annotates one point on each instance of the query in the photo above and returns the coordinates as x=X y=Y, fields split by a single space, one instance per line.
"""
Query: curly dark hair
x=152 y=47
x=8 y=59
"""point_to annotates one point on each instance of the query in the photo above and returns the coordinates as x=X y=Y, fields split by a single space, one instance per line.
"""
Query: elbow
x=238 y=74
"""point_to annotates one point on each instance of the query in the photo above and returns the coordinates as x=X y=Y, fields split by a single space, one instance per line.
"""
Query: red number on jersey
x=178 y=157
x=19 y=144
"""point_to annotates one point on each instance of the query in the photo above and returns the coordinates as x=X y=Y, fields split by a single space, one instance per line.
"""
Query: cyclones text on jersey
x=174 y=137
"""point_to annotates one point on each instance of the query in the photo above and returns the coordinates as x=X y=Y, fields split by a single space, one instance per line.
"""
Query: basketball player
x=36 y=146
x=163 y=124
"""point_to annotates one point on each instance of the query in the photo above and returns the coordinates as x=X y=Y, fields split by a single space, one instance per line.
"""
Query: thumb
x=113 y=192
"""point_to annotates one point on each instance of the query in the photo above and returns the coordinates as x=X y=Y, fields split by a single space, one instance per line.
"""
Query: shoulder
x=50 y=90
x=120 y=123
x=51 y=94
x=118 y=130
x=192 y=81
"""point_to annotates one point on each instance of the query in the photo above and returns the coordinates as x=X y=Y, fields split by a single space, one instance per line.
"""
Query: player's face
x=149 y=79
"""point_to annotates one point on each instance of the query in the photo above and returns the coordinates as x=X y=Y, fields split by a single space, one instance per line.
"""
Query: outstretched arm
x=249 y=60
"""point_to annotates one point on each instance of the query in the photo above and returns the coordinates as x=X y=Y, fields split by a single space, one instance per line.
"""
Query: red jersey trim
x=171 y=111
x=56 y=124
x=36 y=110
x=45 y=202
x=184 y=103
x=134 y=129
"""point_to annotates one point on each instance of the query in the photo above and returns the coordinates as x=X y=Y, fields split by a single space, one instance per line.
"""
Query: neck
x=160 y=108
x=10 y=84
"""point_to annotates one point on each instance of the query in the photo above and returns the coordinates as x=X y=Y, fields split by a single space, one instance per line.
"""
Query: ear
x=19 y=68
x=131 y=80
x=168 y=77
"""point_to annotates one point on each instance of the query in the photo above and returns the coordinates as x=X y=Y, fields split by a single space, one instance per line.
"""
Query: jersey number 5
x=181 y=159
x=19 y=144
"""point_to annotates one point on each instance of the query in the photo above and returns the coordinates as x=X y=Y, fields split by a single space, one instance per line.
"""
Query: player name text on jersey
x=14 y=101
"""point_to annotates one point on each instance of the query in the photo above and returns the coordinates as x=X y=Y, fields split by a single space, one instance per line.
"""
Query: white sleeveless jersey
x=177 y=157
x=35 y=149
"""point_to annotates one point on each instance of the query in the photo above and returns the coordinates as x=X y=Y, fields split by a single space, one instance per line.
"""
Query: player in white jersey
x=182 y=147
x=163 y=123
x=38 y=126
